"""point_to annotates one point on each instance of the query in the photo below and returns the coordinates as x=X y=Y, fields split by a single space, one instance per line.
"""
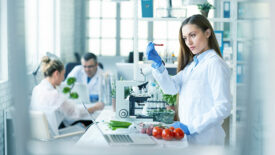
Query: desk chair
x=40 y=128
x=69 y=67
x=100 y=65
x=39 y=125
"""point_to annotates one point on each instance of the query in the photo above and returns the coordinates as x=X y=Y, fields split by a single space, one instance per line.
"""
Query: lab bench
x=93 y=137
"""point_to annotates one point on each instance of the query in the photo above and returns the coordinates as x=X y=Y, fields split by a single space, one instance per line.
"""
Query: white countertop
x=93 y=137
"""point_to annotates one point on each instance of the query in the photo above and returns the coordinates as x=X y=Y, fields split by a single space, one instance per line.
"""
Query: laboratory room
x=114 y=77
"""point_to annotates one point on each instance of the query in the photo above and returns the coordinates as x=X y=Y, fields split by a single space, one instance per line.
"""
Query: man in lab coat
x=89 y=73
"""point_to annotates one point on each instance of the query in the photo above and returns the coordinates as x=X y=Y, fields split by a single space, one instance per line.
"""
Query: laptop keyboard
x=70 y=129
x=121 y=139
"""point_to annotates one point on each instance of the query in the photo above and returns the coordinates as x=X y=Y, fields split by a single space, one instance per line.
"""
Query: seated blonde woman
x=55 y=105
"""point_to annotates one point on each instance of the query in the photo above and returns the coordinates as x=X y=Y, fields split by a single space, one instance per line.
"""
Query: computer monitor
x=131 y=56
x=125 y=71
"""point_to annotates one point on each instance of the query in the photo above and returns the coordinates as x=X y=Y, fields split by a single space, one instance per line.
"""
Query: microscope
x=139 y=101
x=132 y=106
x=125 y=107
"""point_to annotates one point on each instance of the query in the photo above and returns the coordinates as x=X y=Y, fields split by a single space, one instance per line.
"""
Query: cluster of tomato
x=167 y=133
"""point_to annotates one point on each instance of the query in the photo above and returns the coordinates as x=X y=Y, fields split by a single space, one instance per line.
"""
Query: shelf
x=161 y=19
x=227 y=39
x=255 y=39
x=240 y=84
x=252 y=19
x=220 y=20
x=89 y=18
x=241 y=108
x=183 y=18
x=241 y=62
x=242 y=39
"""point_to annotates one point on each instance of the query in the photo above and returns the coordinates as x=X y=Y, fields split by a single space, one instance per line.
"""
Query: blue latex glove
x=93 y=97
x=152 y=54
x=183 y=127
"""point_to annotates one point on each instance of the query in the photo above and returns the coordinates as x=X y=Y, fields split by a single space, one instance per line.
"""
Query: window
x=3 y=41
x=41 y=30
x=102 y=27
x=127 y=30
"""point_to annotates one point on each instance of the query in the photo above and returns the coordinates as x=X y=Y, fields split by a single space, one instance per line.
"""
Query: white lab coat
x=95 y=84
x=204 y=97
x=55 y=105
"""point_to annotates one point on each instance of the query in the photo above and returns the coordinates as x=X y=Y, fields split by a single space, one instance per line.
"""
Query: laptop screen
x=82 y=91
x=92 y=118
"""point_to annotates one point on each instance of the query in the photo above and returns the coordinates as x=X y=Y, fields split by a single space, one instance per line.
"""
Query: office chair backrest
x=77 y=57
x=69 y=67
x=100 y=65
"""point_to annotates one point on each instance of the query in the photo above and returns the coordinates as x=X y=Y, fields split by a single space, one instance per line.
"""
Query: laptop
x=82 y=91
x=40 y=128
x=124 y=139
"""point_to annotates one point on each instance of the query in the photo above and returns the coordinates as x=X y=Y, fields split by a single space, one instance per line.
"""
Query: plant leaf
x=66 y=90
x=71 y=80
x=74 y=95
x=170 y=99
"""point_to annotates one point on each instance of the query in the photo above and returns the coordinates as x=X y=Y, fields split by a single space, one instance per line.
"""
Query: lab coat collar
x=200 y=57
x=47 y=84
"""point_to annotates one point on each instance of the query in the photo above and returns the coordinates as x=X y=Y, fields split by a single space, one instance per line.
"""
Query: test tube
x=158 y=44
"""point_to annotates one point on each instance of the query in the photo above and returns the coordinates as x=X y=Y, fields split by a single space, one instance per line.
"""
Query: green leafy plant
x=170 y=99
x=163 y=115
x=127 y=91
x=205 y=6
x=113 y=91
x=68 y=89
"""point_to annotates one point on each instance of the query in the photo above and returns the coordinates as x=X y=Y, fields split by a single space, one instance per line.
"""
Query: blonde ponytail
x=49 y=66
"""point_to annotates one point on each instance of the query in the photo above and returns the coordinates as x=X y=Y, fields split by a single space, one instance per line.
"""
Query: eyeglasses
x=90 y=66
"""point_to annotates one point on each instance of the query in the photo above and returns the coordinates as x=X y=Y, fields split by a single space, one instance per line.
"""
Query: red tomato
x=157 y=132
x=178 y=133
x=172 y=128
x=167 y=134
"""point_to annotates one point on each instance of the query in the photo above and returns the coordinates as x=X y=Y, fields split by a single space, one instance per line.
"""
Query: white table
x=93 y=137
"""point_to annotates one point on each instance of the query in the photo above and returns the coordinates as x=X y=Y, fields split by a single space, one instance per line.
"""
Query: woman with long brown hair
x=202 y=82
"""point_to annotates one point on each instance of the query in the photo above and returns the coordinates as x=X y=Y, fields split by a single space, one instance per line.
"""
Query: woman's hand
x=183 y=127
x=152 y=54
